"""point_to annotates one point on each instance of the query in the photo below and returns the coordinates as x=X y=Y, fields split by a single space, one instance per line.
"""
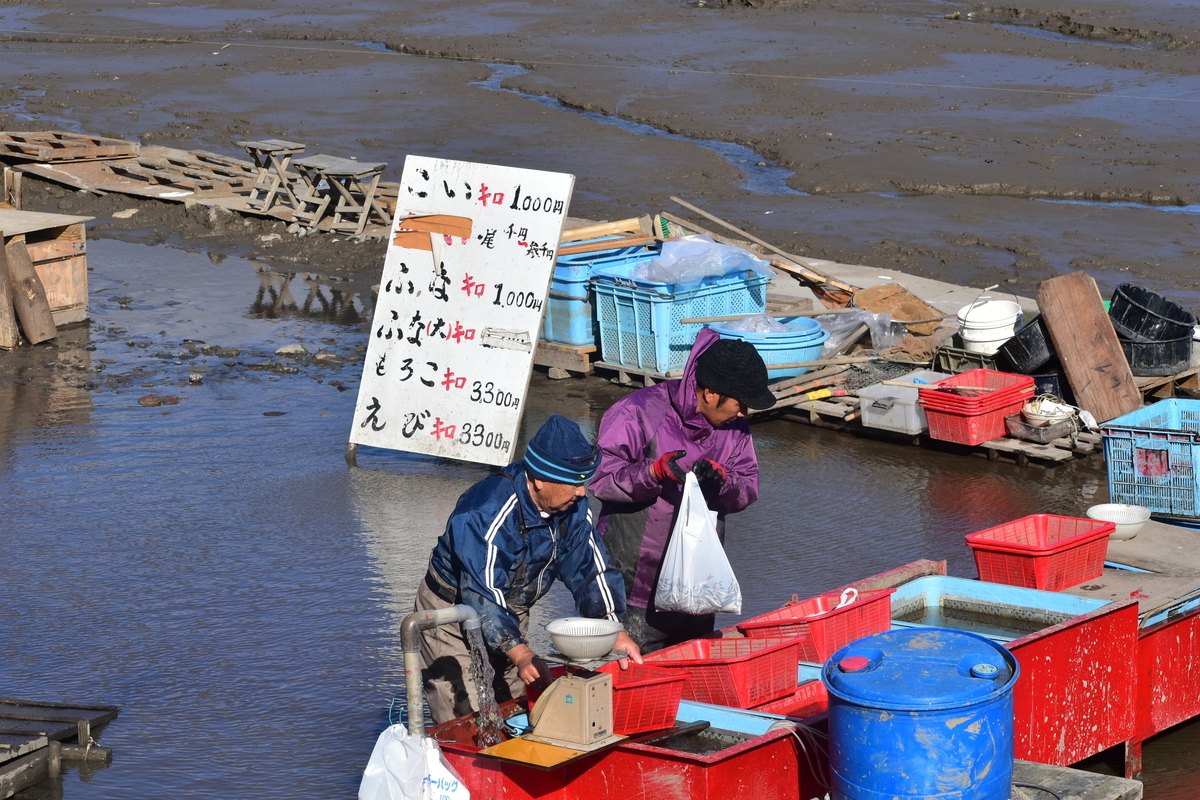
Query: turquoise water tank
x=921 y=713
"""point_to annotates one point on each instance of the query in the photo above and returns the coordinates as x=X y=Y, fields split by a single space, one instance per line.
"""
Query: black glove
x=710 y=474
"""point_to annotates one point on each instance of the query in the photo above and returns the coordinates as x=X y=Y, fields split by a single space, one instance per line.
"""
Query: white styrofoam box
x=895 y=408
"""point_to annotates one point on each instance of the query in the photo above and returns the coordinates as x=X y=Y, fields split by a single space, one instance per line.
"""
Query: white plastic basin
x=582 y=638
x=1128 y=518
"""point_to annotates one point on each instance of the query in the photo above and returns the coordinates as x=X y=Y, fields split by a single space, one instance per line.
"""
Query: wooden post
x=83 y=731
x=10 y=335
x=55 y=764
x=29 y=296
x=12 y=187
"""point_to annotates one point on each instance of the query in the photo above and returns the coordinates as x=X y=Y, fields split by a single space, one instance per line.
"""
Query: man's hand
x=667 y=468
x=710 y=474
x=530 y=668
x=630 y=647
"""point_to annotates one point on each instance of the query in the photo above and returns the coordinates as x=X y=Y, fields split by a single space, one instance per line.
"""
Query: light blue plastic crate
x=639 y=320
x=1153 y=456
x=570 y=309
x=803 y=343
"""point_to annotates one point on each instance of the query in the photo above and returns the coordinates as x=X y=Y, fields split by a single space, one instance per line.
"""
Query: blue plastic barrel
x=921 y=713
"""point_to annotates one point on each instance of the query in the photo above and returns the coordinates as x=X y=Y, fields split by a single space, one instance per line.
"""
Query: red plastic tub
x=741 y=673
x=821 y=626
x=1043 y=551
x=972 y=429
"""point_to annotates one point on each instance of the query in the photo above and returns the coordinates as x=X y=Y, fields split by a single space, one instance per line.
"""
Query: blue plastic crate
x=639 y=320
x=571 y=309
x=1153 y=457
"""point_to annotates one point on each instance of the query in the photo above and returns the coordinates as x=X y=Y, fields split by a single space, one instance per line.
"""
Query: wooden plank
x=1029 y=449
x=608 y=244
x=1087 y=346
x=159 y=175
x=28 y=294
x=1161 y=548
x=564 y=356
x=633 y=225
x=53 y=250
x=24 y=772
x=10 y=334
x=167 y=166
x=13 y=745
x=1152 y=591
x=15 y=223
x=240 y=164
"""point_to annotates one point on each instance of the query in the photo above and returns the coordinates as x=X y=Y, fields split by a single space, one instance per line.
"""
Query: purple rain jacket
x=637 y=511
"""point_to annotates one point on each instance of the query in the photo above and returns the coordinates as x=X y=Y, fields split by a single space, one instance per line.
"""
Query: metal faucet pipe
x=410 y=640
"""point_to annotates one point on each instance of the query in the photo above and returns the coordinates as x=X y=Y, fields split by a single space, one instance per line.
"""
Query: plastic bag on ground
x=757 y=324
x=688 y=260
x=696 y=577
x=404 y=768
x=885 y=334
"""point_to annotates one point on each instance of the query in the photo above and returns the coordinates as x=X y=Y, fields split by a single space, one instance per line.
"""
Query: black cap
x=734 y=368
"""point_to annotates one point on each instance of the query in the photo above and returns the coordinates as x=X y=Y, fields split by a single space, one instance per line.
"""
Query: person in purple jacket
x=649 y=441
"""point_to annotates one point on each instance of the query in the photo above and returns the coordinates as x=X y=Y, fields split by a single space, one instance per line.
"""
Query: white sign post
x=460 y=309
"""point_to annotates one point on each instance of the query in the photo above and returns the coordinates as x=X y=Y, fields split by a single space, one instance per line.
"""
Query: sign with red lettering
x=460 y=306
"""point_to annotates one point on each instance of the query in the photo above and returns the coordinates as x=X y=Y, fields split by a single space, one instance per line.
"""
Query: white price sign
x=460 y=307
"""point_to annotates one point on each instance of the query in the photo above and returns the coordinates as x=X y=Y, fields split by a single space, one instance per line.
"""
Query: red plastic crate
x=1000 y=387
x=823 y=628
x=1043 y=551
x=741 y=673
x=645 y=698
x=808 y=699
x=951 y=426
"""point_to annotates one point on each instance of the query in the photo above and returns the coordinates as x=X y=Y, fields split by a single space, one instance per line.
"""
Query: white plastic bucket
x=986 y=324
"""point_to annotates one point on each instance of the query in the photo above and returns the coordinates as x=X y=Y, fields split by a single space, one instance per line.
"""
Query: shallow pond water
x=216 y=569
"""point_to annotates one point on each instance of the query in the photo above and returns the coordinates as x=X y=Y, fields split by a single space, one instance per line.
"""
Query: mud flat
x=939 y=138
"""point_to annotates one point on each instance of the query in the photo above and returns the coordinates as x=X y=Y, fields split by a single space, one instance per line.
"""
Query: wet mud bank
x=907 y=133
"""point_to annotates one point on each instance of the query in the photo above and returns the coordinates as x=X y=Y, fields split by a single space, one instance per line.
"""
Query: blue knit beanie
x=559 y=452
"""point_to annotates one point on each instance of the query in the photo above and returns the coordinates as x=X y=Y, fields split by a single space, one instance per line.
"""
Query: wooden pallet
x=63 y=146
x=32 y=736
x=629 y=376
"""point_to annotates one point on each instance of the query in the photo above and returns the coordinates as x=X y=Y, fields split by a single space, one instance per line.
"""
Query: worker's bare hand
x=530 y=668
x=630 y=647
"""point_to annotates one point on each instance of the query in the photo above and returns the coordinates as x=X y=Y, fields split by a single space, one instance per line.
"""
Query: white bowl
x=582 y=638
x=1129 y=518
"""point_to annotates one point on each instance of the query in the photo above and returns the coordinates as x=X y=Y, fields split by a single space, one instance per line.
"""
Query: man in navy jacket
x=509 y=537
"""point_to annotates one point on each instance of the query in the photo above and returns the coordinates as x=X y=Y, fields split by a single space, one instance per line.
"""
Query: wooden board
x=1087 y=346
x=1161 y=548
x=1071 y=784
x=1153 y=592
x=15 y=745
x=456 y=322
x=14 y=223
x=564 y=356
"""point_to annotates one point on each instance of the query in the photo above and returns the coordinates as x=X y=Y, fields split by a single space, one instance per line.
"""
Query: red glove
x=710 y=474
x=667 y=467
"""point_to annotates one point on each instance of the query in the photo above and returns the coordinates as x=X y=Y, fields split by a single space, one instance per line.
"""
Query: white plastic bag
x=696 y=577
x=404 y=768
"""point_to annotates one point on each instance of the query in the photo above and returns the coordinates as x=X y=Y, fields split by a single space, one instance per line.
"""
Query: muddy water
x=216 y=569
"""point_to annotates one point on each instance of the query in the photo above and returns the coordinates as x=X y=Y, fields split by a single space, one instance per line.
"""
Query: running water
x=490 y=724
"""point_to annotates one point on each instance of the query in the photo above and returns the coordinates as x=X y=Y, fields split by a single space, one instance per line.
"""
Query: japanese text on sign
x=460 y=307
